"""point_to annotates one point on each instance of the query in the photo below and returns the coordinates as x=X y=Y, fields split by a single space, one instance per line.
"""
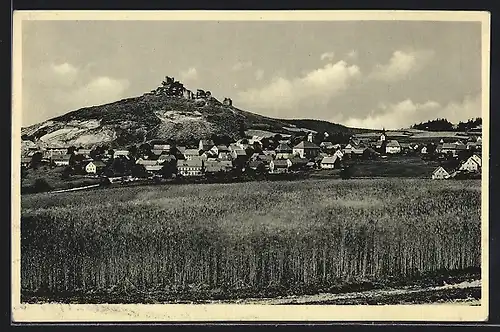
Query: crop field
x=217 y=241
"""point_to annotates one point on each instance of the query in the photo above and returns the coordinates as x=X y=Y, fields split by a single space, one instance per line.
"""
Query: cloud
x=327 y=56
x=401 y=65
x=317 y=86
x=241 y=65
x=188 y=76
x=405 y=113
x=259 y=74
x=352 y=54
x=64 y=69
x=100 y=90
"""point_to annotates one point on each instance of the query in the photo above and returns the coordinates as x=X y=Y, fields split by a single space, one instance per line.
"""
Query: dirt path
x=75 y=189
x=467 y=292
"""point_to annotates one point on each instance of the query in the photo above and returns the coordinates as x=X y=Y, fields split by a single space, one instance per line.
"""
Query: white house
x=306 y=149
x=121 y=153
x=328 y=162
x=90 y=168
x=440 y=173
x=62 y=160
x=280 y=165
x=424 y=150
x=470 y=165
x=477 y=159
x=393 y=147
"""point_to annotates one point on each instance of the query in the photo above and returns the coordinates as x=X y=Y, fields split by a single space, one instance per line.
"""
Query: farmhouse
x=306 y=149
x=393 y=147
x=326 y=145
x=62 y=160
x=283 y=151
x=471 y=165
x=440 y=173
x=162 y=147
x=298 y=163
x=280 y=165
x=190 y=167
x=329 y=162
x=83 y=152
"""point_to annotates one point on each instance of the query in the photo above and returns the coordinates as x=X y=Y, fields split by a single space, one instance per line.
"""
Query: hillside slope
x=148 y=117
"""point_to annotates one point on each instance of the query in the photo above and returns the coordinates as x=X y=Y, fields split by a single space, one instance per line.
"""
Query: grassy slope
x=249 y=230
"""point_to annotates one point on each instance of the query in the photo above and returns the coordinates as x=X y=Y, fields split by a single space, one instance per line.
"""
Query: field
x=201 y=242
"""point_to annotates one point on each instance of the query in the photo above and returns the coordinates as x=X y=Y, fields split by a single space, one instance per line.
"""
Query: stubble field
x=257 y=239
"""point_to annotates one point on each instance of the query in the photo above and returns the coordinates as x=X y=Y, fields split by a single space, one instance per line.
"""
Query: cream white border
x=218 y=312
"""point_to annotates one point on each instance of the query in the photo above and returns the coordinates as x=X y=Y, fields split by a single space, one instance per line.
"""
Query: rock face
x=152 y=116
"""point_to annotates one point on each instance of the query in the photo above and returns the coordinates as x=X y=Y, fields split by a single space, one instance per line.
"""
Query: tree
x=24 y=172
x=133 y=151
x=169 y=168
x=139 y=171
x=71 y=150
x=36 y=160
x=66 y=173
x=41 y=185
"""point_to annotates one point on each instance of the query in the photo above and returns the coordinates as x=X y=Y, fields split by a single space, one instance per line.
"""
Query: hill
x=158 y=116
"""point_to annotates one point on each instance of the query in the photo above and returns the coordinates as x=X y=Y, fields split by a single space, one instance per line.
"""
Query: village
x=257 y=155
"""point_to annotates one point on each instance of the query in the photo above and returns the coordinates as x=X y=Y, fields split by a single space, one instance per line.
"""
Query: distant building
x=162 y=147
x=310 y=137
x=191 y=154
x=227 y=102
x=206 y=144
x=190 y=167
x=280 y=165
x=440 y=173
x=121 y=153
x=25 y=161
x=146 y=162
x=393 y=147
x=283 y=151
x=218 y=166
x=165 y=158
x=306 y=149
x=62 y=160
x=329 y=162
x=153 y=169
x=470 y=165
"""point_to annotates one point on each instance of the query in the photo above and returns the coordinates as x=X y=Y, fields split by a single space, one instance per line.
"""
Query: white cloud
x=352 y=54
x=401 y=65
x=327 y=56
x=319 y=85
x=64 y=69
x=259 y=74
x=241 y=65
x=189 y=76
x=405 y=113
x=100 y=90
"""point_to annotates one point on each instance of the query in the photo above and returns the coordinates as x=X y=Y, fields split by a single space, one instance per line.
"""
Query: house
x=94 y=167
x=190 y=154
x=146 y=162
x=280 y=165
x=339 y=154
x=206 y=144
x=470 y=165
x=424 y=150
x=283 y=151
x=25 y=161
x=306 y=149
x=83 y=152
x=265 y=158
x=153 y=169
x=62 y=160
x=392 y=147
x=326 y=145
x=405 y=147
x=162 y=147
x=121 y=153
x=329 y=162
x=358 y=150
x=227 y=102
x=477 y=158
x=238 y=153
x=165 y=158
x=440 y=173
x=192 y=167
x=181 y=149
x=218 y=166
x=271 y=153
x=298 y=163
x=255 y=164
x=348 y=148
x=157 y=152
x=223 y=152
x=310 y=137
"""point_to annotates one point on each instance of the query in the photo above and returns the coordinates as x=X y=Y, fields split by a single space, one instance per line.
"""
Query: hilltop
x=171 y=112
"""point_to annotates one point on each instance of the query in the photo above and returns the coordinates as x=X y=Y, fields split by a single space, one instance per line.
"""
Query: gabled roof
x=99 y=163
x=161 y=147
x=449 y=146
x=192 y=152
x=166 y=157
x=153 y=168
x=63 y=157
x=329 y=160
x=240 y=152
x=299 y=161
x=146 y=162
x=181 y=149
x=207 y=142
x=222 y=148
x=265 y=157
x=190 y=163
x=306 y=145
x=283 y=147
x=393 y=143
x=440 y=168
x=326 y=144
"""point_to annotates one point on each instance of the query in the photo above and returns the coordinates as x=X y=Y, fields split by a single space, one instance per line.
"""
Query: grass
x=215 y=241
x=394 y=166
x=54 y=179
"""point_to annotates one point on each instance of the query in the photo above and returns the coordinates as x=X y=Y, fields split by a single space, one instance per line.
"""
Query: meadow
x=216 y=241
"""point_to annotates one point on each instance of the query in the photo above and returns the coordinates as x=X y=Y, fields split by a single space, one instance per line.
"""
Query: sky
x=371 y=74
